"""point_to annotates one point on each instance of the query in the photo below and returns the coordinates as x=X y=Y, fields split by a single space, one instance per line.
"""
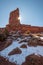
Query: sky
x=31 y=11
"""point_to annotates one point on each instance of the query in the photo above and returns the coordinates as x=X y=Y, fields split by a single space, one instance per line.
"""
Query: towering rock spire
x=13 y=19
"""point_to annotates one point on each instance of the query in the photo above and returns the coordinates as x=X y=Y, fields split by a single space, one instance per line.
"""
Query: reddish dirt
x=33 y=60
x=5 y=44
x=15 y=51
x=23 y=46
x=4 y=61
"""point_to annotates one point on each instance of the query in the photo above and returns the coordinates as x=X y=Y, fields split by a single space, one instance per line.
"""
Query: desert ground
x=22 y=49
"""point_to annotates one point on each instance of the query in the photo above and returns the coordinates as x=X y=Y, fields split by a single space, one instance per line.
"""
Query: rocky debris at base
x=4 y=61
x=31 y=40
x=23 y=46
x=24 y=40
x=35 y=41
x=15 y=51
x=33 y=60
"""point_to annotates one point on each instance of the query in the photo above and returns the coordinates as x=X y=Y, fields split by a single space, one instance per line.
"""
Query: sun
x=19 y=18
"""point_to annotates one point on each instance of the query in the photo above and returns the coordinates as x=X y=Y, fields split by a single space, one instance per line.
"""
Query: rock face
x=13 y=19
x=14 y=24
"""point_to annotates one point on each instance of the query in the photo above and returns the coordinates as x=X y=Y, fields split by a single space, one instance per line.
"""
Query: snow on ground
x=20 y=58
x=41 y=38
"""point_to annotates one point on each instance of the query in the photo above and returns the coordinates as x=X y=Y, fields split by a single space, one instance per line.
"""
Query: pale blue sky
x=31 y=11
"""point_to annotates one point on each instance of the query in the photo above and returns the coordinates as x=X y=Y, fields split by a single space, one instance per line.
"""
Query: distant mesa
x=14 y=24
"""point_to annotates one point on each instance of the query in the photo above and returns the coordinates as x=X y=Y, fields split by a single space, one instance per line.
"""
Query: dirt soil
x=5 y=44
x=33 y=60
x=4 y=61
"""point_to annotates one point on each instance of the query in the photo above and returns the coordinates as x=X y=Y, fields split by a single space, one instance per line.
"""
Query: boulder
x=23 y=46
x=33 y=60
x=35 y=41
x=15 y=51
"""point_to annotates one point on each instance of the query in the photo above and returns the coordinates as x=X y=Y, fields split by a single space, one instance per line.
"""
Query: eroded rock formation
x=14 y=24
x=13 y=19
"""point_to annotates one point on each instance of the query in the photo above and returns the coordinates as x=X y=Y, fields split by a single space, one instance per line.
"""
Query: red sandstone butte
x=13 y=19
x=14 y=24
